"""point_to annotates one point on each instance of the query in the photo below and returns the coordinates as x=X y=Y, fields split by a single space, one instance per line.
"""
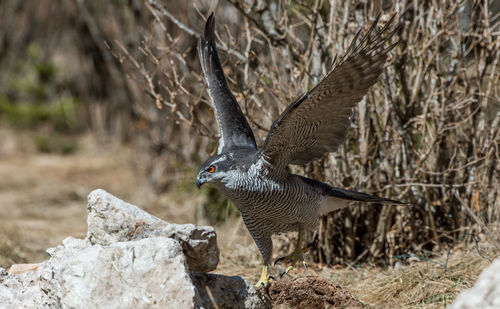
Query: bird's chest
x=250 y=190
x=260 y=196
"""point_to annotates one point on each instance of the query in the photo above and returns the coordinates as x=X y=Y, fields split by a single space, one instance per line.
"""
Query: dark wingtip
x=209 y=33
x=206 y=46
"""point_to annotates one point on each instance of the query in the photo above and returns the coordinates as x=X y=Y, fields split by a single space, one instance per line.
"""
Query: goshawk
x=270 y=198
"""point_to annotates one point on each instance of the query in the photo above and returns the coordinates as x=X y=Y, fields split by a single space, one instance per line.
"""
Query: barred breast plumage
x=288 y=201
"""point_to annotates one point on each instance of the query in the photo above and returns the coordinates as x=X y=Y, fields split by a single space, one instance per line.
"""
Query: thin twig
x=480 y=222
x=188 y=30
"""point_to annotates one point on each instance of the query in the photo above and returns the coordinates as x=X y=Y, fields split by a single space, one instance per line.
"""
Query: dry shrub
x=426 y=133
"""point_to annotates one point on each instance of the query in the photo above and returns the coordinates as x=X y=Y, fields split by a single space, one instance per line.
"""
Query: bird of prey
x=270 y=198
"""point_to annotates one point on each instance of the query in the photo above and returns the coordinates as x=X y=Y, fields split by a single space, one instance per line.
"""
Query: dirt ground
x=43 y=200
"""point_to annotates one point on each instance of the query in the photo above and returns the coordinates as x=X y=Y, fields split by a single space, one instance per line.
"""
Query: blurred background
x=109 y=94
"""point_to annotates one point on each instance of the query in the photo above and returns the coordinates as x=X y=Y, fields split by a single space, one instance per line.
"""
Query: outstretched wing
x=234 y=129
x=317 y=122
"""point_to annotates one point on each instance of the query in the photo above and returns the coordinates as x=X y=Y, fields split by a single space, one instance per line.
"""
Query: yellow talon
x=265 y=279
x=287 y=270
x=295 y=256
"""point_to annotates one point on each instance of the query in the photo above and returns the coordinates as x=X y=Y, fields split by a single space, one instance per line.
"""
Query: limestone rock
x=485 y=293
x=129 y=259
x=112 y=220
x=146 y=273
x=23 y=291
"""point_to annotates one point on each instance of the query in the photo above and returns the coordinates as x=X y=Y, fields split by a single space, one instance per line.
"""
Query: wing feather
x=234 y=129
x=317 y=122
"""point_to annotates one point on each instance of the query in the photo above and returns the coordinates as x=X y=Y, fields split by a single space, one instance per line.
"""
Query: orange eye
x=211 y=169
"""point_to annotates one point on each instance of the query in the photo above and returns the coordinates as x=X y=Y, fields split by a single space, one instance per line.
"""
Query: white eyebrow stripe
x=219 y=160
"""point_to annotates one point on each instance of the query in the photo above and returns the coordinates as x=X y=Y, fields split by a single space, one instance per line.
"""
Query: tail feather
x=337 y=198
x=359 y=196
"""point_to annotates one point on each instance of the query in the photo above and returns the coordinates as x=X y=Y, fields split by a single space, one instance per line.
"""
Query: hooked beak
x=199 y=183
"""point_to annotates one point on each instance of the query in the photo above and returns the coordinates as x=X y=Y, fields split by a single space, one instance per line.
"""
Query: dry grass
x=417 y=284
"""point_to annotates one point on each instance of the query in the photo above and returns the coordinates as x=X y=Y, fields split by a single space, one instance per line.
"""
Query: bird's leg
x=265 y=245
x=294 y=257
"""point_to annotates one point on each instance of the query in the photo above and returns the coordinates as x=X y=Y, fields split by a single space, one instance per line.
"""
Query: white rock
x=127 y=261
x=147 y=273
x=485 y=293
x=23 y=291
x=112 y=220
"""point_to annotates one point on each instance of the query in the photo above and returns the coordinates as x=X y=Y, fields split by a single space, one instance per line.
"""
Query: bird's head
x=214 y=170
